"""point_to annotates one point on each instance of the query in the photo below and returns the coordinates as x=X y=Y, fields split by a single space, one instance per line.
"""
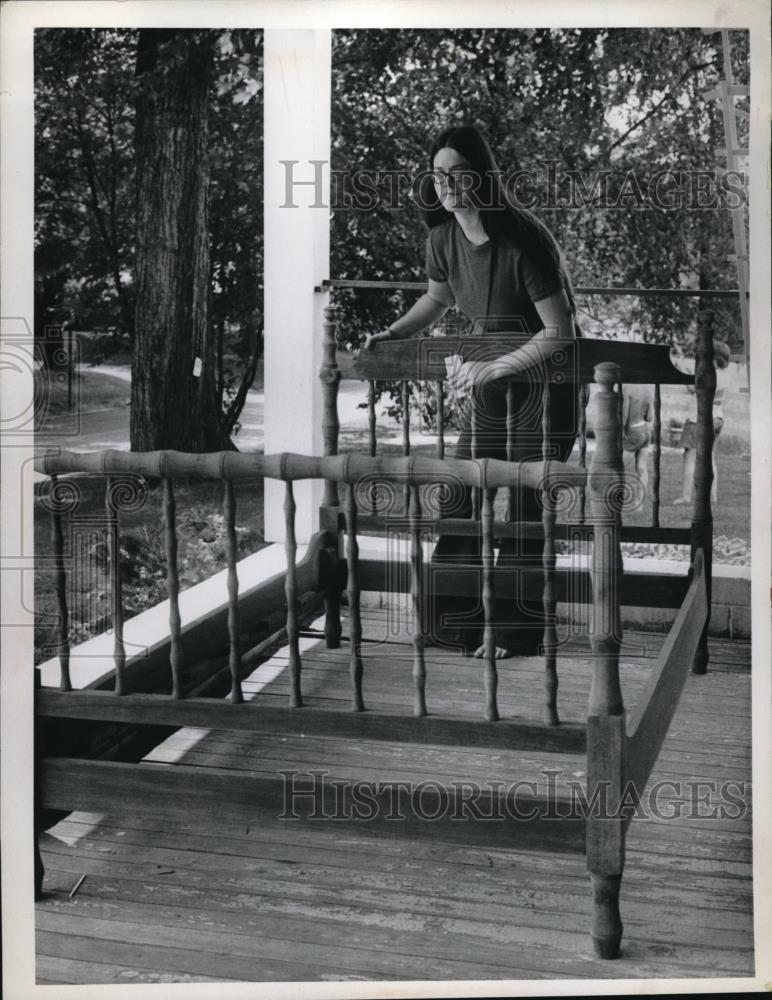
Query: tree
x=173 y=388
x=86 y=89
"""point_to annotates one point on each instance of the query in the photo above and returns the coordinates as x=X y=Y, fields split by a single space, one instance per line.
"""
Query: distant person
x=689 y=436
x=637 y=416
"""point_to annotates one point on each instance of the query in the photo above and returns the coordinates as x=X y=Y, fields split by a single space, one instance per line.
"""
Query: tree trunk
x=174 y=401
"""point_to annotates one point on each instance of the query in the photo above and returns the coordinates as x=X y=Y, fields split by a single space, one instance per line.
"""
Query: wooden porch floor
x=277 y=900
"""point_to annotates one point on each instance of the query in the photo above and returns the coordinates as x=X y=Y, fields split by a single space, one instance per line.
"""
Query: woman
x=502 y=268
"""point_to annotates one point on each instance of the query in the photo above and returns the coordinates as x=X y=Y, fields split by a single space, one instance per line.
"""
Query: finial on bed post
x=329 y=375
x=606 y=720
x=702 y=518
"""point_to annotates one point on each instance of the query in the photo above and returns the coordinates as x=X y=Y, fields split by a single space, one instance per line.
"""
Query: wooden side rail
x=415 y=470
x=561 y=360
x=651 y=717
x=541 y=821
x=155 y=709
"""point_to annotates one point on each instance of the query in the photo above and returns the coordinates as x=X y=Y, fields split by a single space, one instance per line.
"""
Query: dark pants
x=518 y=623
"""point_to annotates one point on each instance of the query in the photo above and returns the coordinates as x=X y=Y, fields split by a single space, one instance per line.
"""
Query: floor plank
x=280 y=901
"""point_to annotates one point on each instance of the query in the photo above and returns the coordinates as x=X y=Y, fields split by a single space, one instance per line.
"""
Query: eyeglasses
x=455 y=178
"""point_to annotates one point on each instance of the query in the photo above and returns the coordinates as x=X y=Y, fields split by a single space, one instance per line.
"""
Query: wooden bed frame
x=620 y=750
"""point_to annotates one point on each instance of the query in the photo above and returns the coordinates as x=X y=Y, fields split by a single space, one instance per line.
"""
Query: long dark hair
x=501 y=217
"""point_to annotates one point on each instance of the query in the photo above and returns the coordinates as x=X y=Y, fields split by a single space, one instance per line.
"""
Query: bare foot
x=501 y=653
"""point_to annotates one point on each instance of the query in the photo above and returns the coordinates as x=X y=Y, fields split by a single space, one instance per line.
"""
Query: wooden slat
x=424 y=358
x=371 y=421
x=116 y=596
x=702 y=518
x=648 y=590
x=416 y=594
x=406 y=434
x=439 y=388
x=291 y=593
x=355 y=620
x=549 y=560
x=584 y=398
x=570 y=531
x=511 y=426
x=173 y=588
x=330 y=378
x=656 y=475
x=475 y=493
x=654 y=710
x=60 y=580
x=445 y=730
x=550 y=821
x=489 y=603
x=232 y=557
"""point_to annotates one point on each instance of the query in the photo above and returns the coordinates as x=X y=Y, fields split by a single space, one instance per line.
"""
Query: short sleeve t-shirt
x=517 y=284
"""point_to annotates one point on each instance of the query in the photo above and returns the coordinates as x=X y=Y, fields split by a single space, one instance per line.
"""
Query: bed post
x=330 y=377
x=38 y=751
x=702 y=518
x=606 y=719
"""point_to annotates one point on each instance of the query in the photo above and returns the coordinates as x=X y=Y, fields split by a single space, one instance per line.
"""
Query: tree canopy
x=607 y=132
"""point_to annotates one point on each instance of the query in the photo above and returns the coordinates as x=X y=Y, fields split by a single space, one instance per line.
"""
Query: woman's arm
x=555 y=313
x=428 y=309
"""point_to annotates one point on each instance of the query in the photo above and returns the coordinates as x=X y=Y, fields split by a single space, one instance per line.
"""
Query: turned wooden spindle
x=474 y=421
x=702 y=517
x=584 y=399
x=371 y=422
x=656 y=472
x=60 y=579
x=489 y=603
x=416 y=595
x=355 y=617
x=291 y=594
x=116 y=590
x=549 y=559
x=329 y=375
x=406 y=434
x=232 y=557
x=511 y=426
x=173 y=588
x=439 y=388
x=39 y=753
x=606 y=720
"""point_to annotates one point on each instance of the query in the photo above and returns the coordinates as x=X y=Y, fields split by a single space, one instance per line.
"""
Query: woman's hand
x=374 y=338
x=463 y=378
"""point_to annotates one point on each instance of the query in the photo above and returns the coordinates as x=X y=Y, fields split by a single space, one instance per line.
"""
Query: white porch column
x=297 y=256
